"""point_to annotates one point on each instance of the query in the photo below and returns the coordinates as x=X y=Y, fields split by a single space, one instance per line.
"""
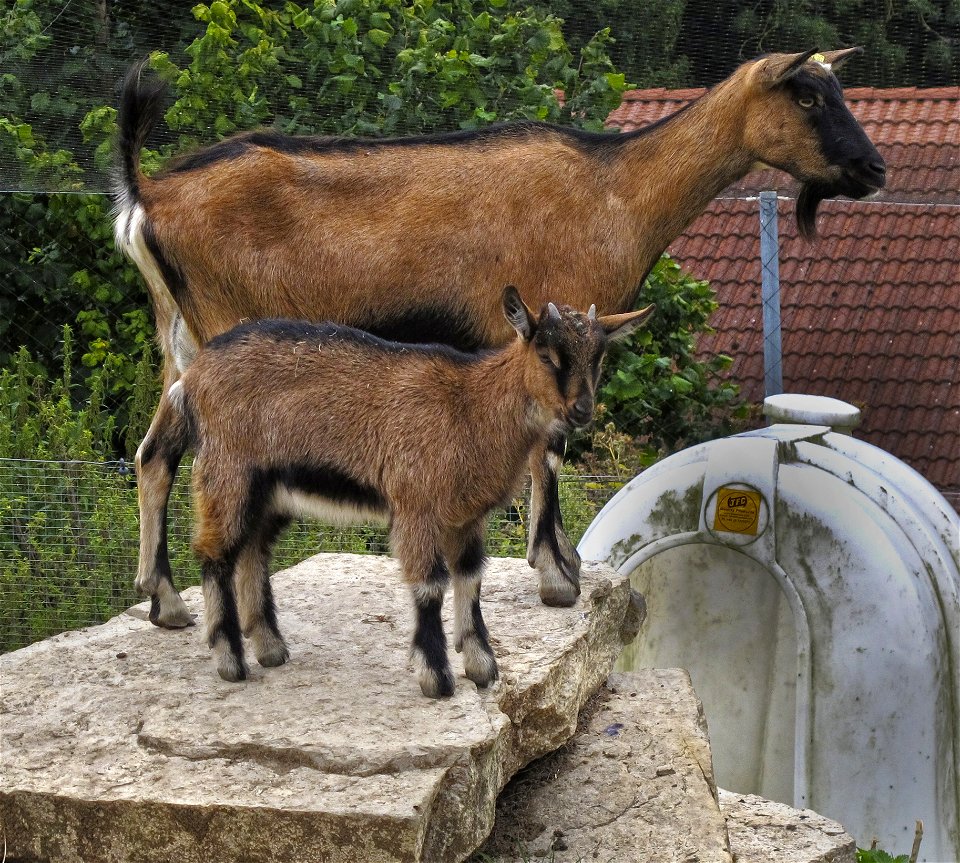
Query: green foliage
x=646 y=54
x=59 y=264
x=383 y=67
x=67 y=524
x=913 y=42
x=653 y=387
x=875 y=855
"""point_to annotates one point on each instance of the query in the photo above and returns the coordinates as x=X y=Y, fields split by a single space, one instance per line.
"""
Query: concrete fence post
x=770 y=289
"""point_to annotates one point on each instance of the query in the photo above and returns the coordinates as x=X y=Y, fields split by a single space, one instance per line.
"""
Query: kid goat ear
x=516 y=311
x=620 y=326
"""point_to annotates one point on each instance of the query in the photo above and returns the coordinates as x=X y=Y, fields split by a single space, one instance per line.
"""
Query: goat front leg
x=466 y=557
x=426 y=573
x=549 y=550
x=157 y=460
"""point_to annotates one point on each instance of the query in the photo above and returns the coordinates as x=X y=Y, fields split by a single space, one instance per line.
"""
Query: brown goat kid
x=291 y=418
x=413 y=239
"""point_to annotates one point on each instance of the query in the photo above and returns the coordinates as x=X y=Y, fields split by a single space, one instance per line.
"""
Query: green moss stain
x=675 y=511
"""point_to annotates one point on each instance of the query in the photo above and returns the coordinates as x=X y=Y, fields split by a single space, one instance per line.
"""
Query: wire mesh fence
x=69 y=540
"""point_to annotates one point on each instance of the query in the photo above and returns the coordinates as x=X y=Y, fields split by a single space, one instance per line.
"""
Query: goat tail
x=139 y=110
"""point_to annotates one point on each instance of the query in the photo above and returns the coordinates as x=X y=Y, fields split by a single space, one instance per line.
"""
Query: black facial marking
x=843 y=143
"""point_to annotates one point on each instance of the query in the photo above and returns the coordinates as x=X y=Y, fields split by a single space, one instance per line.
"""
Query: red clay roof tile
x=870 y=314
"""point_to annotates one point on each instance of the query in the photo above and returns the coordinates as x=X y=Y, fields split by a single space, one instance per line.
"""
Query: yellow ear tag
x=819 y=58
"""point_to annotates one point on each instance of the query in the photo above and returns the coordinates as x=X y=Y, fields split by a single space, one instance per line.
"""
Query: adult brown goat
x=291 y=418
x=414 y=238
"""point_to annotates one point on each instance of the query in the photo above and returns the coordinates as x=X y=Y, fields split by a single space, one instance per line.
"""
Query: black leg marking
x=471 y=636
x=479 y=627
x=557 y=444
x=429 y=641
x=431 y=645
x=223 y=621
x=157 y=462
x=473 y=557
x=258 y=611
x=559 y=571
x=268 y=536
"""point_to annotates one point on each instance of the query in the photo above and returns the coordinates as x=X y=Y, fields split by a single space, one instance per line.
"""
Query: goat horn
x=592 y=314
x=553 y=312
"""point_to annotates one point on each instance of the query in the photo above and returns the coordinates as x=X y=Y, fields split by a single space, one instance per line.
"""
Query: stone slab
x=634 y=784
x=761 y=830
x=120 y=742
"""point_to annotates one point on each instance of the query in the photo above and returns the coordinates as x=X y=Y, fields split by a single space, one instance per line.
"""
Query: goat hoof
x=231 y=670
x=559 y=597
x=274 y=656
x=437 y=684
x=483 y=676
x=478 y=662
x=170 y=615
x=559 y=585
x=558 y=590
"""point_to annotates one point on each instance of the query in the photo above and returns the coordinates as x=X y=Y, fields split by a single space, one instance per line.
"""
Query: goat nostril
x=581 y=414
x=874 y=166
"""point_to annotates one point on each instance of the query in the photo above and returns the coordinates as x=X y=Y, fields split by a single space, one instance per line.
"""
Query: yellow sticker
x=819 y=58
x=738 y=511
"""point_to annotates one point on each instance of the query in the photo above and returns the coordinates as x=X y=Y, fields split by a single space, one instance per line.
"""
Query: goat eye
x=806 y=102
x=550 y=358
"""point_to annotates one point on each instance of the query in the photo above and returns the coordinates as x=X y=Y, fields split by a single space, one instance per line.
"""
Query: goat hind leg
x=157 y=460
x=549 y=550
x=223 y=622
x=258 y=613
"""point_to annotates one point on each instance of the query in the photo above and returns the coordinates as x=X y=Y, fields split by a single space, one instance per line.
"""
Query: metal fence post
x=770 y=288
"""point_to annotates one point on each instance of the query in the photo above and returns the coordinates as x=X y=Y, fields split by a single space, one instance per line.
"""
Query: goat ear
x=835 y=59
x=515 y=310
x=620 y=326
x=778 y=68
